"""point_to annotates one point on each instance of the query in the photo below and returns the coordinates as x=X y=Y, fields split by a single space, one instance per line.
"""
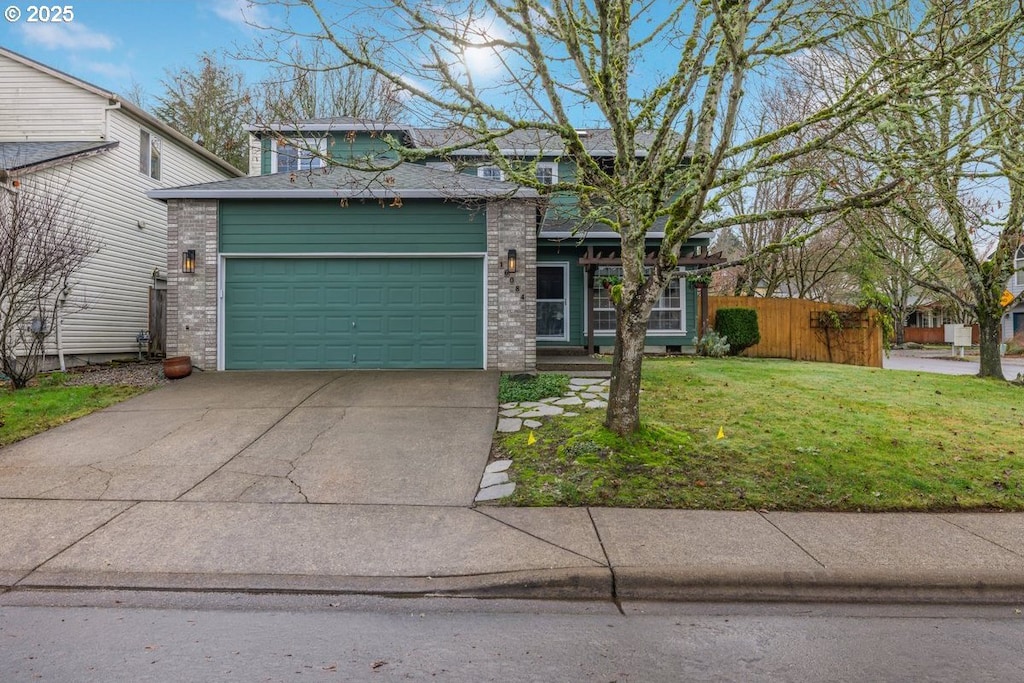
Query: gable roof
x=115 y=99
x=404 y=180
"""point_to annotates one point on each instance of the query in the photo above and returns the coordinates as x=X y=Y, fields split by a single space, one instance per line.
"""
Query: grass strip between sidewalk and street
x=797 y=436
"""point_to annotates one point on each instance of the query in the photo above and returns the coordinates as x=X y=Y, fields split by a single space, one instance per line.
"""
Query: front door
x=552 y=302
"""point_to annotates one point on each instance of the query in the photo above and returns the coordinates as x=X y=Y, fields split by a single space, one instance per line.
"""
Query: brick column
x=192 y=297
x=512 y=299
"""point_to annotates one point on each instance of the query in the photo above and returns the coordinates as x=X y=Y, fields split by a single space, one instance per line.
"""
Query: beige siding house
x=59 y=133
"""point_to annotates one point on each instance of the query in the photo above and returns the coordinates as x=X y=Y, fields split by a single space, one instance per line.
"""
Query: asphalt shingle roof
x=20 y=155
x=406 y=180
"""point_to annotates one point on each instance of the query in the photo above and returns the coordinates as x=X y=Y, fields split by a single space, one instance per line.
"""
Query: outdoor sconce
x=188 y=261
x=511 y=263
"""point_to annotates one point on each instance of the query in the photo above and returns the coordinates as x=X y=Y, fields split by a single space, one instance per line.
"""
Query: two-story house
x=439 y=263
x=59 y=133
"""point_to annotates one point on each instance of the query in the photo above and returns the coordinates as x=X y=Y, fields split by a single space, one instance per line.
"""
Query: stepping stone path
x=583 y=392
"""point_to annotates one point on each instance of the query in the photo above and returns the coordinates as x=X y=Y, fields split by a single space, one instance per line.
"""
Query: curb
x=594 y=584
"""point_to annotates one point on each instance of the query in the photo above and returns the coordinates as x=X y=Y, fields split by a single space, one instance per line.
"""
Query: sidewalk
x=556 y=553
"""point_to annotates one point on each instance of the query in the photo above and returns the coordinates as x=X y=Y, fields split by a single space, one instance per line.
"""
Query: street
x=157 y=636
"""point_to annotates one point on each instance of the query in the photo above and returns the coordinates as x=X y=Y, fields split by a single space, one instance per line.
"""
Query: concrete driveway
x=400 y=437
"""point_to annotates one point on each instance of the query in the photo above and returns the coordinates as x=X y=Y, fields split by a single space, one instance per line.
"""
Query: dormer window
x=149 y=154
x=297 y=155
x=1019 y=263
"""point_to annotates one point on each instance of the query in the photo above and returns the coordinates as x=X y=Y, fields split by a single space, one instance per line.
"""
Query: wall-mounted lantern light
x=188 y=261
x=512 y=263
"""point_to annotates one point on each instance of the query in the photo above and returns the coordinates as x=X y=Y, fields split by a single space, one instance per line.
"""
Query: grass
x=531 y=388
x=798 y=436
x=37 y=408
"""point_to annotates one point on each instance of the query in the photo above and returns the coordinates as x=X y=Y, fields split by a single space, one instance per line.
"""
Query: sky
x=111 y=43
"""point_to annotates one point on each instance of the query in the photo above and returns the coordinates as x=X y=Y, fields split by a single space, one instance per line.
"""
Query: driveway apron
x=367 y=437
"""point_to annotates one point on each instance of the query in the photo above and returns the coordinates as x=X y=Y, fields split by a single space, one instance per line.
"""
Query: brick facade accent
x=512 y=299
x=192 y=297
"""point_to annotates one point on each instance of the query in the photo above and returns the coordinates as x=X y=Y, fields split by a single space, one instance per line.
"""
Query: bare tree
x=43 y=242
x=676 y=72
x=210 y=104
x=960 y=144
x=306 y=85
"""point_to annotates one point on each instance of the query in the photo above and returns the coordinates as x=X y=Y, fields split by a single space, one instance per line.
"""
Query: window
x=490 y=172
x=547 y=173
x=298 y=155
x=1019 y=265
x=668 y=315
x=149 y=154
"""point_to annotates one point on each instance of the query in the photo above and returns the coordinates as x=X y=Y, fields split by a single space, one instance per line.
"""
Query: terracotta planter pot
x=177 y=367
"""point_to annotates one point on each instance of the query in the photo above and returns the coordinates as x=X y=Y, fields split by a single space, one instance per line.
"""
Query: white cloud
x=66 y=36
x=241 y=12
x=111 y=71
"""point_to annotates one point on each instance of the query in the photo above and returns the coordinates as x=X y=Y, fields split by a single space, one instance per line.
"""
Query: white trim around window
x=548 y=313
x=150 y=153
x=547 y=172
x=301 y=153
x=490 y=172
x=668 y=317
x=1018 y=264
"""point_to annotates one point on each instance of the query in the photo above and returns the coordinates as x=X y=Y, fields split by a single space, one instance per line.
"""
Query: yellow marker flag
x=532 y=440
x=721 y=433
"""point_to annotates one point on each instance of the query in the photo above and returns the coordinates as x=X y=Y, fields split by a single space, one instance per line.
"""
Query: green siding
x=362 y=146
x=316 y=313
x=318 y=226
x=548 y=253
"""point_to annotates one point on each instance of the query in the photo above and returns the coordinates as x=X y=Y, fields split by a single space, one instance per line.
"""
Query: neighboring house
x=1013 y=321
x=440 y=263
x=60 y=133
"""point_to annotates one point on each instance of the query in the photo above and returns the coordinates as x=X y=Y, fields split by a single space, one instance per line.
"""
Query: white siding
x=114 y=285
x=40 y=107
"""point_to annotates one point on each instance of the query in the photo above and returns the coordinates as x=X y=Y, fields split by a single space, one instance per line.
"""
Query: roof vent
x=583 y=133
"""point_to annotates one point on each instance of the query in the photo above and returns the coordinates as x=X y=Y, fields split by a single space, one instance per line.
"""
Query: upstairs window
x=1019 y=265
x=547 y=173
x=298 y=155
x=149 y=154
x=490 y=172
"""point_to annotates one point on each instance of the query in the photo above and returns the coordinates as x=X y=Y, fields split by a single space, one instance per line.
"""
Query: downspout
x=106 y=119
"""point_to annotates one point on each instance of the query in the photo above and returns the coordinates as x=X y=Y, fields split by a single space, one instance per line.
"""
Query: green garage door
x=353 y=313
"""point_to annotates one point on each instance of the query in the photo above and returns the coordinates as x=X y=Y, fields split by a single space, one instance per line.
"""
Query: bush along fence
x=809 y=330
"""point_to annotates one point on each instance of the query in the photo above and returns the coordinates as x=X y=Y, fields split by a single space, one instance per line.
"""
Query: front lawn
x=798 y=436
x=37 y=408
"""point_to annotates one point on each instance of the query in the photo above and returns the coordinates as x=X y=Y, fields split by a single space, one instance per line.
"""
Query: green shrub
x=712 y=345
x=739 y=326
x=530 y=387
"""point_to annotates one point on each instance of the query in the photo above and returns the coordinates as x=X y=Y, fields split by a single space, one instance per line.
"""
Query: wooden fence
x=809 y=330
